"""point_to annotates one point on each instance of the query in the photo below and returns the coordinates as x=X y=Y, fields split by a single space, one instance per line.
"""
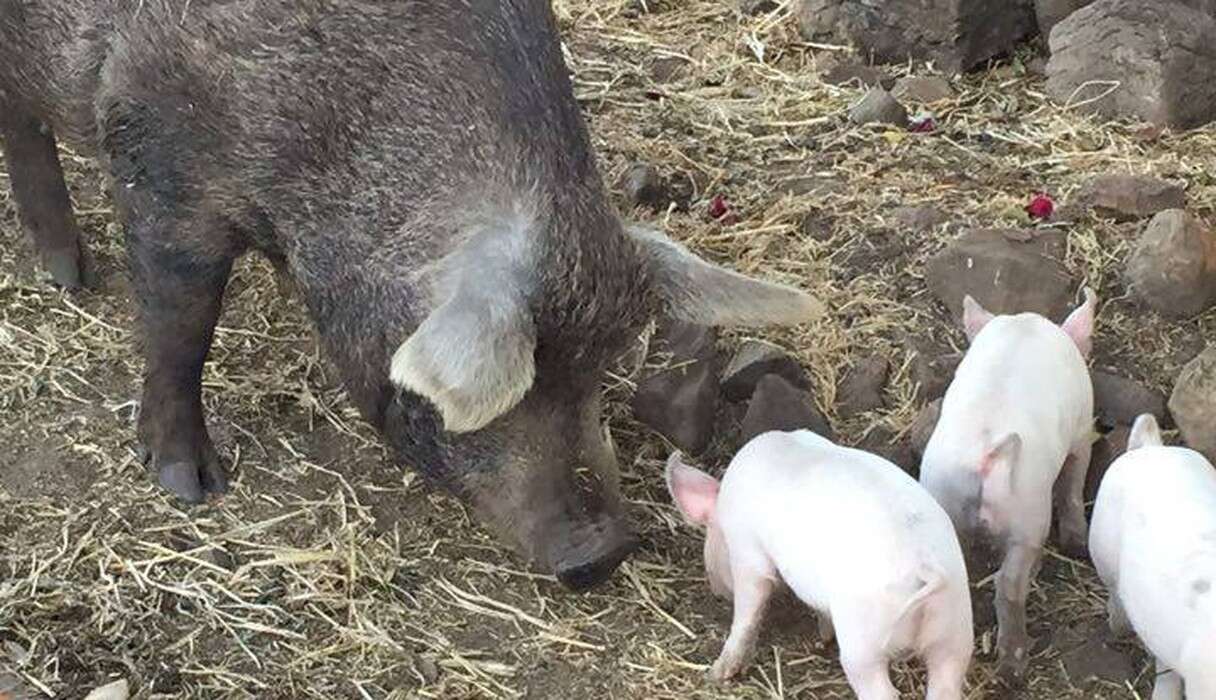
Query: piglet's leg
x=1117 y=616
x=868 y=674
x=826 y=631
x=752 y=591
x=1012 y=590
x=1070 y=500
x=1168 y=685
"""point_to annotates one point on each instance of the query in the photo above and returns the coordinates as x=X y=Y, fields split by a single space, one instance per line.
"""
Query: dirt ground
x=328 y=572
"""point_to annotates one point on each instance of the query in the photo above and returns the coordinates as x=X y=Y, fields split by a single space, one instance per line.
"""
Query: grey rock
x=1106 y=450
x=954 y=34
x=1119 y=400
x=1049 y=13
x=1173 y=267
x=878 y=107
x=755 y=359
x=1193 y=403
x=642 y=185
x=1128 y=197
x=925 y=89
x=861 y=388
x=922 y=428
x=680 y=400
x=778 y=405
x=1160 y=56
x=1007 y=271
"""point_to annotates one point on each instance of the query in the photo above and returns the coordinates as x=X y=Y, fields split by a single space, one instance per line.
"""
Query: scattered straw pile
x=328 y=573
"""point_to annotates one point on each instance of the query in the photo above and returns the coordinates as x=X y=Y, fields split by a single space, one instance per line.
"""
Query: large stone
x=680 y=399
x=642 y=185
x=878 y=107
x=778 y=405
x=924 y=89
x=861 y=388
x=1106 y=450
x=1006 y=271
x=1153 y=60
x=932 y=374
x=1173 y=268
x=1051 y=12
x=1193 y=403
x=882 y=442
x=753 y=360
x=955 y=34
x=922 y=428
x=1119 y=400
x=1128 y=197
x=854 y=74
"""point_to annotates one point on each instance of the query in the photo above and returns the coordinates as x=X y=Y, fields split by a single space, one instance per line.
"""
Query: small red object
x=718 y=208
x=1041 y=206
x=924 y=125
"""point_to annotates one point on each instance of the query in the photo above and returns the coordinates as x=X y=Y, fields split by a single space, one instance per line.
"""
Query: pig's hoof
x=66 y=268
x=192 y=482
x=1011 y=668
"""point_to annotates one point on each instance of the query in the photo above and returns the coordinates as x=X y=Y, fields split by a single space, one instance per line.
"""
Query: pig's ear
x=694 y=491
x=1145 y=433
x=473 y=356
x=693 y=290
x=472 y=359
x=975 y=317
x=999 y=462
x=1080 y=323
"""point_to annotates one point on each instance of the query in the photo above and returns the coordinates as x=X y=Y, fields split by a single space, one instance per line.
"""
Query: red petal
x=1041 y=207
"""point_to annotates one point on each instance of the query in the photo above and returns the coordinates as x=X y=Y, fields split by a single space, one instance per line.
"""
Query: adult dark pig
x=422 y=172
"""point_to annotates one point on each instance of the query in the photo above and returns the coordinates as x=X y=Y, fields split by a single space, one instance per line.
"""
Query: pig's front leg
x=1070 y=500
x=1012 y=590
x=42 y=198
x=752 y=591
x=1168 y=685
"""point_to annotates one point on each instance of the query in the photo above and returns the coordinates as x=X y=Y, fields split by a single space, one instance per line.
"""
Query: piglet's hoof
x=191 y=481
x=726 y=667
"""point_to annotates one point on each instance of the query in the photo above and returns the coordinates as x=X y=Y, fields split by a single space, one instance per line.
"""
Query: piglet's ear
x=975 y=317
x=1080 y=323
x=1145 y=433
x=998 y=464
x=694 y=491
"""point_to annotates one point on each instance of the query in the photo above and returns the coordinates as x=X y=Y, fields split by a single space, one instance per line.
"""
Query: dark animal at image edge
x=430 y=190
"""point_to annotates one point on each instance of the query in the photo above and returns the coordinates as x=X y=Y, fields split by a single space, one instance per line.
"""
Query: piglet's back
x=803 y=493
x=1169 y=494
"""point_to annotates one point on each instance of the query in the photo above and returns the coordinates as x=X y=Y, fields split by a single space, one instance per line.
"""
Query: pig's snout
x=592 y=553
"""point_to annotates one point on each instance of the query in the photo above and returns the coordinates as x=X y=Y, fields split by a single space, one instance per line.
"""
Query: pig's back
x=838 y=520
x=1167 y=553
